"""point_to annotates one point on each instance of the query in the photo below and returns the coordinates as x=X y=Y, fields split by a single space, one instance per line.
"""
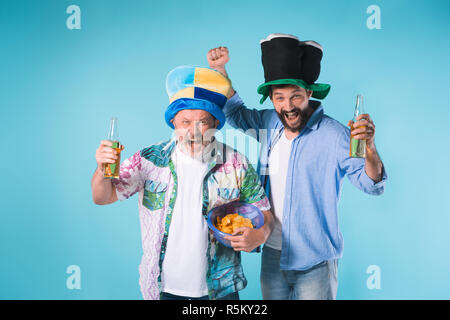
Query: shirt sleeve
x=354 y=168
x=130 y=180
x=252 y=191
x=241 y=117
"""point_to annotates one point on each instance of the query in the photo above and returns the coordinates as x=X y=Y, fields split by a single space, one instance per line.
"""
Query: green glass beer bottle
x=111 y=170
x=357 y=146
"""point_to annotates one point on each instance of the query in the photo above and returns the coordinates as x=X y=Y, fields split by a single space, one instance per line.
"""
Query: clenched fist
x=218 y=58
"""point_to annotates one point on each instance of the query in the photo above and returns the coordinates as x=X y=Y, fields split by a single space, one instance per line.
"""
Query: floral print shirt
x=151 y=173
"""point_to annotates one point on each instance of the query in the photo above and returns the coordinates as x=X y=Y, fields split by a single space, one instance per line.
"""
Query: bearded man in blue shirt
x=303 y=161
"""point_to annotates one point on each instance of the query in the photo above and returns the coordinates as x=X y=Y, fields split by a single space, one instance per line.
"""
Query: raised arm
x=237 y=114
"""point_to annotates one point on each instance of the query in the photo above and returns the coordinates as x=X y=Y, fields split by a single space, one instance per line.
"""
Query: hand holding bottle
x=103 y=190
x=105 y=153
x=108 y=153
x=363 y=129
x=362 y=141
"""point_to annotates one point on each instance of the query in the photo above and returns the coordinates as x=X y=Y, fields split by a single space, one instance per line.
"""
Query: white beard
x=203 y=155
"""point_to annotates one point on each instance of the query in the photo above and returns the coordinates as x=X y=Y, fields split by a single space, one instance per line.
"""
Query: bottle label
x=111 y=170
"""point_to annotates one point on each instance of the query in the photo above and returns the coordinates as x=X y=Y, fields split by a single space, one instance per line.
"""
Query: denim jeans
x=317 y=283
x=169 y=296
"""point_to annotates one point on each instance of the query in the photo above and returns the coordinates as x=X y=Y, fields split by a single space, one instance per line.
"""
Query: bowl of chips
x=225 y=219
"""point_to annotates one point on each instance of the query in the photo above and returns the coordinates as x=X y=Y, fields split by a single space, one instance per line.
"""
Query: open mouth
x=193 y=139
x=291 y=115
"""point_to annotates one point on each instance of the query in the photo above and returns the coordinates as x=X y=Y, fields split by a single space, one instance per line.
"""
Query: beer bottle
x=111 y=170
x=357 y=146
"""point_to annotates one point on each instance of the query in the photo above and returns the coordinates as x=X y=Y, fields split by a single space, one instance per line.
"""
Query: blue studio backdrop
x=67 y=66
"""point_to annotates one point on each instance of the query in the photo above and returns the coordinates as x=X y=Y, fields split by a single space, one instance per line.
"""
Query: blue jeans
x=169 y=296
x=317 y=283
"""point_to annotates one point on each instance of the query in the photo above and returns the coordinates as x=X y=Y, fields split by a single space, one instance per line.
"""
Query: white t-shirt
x=278 y=167
x=185 y=262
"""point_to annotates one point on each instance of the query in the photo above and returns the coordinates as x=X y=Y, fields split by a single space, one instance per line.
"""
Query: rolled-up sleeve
x=130 y=180
x=241 y=117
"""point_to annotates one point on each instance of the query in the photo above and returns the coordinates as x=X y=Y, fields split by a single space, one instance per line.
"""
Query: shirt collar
x=315 y=118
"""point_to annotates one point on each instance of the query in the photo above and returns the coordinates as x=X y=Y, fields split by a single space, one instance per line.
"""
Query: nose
x=194 y=129
x=287 y=106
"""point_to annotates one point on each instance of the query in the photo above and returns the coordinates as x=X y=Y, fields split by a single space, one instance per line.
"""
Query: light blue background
x=59 y=87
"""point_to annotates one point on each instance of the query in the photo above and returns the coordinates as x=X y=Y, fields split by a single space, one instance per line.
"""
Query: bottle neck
x=359 y=108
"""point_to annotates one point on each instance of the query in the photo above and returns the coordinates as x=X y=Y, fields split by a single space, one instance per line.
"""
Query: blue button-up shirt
x=318 y=163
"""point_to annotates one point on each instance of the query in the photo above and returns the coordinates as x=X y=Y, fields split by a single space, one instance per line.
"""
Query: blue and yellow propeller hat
x=192 y=87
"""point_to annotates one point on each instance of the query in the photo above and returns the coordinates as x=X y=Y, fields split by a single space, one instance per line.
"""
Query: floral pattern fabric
x=151 y=173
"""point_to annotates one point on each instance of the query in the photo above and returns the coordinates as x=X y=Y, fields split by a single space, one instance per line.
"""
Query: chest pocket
x=228 y=194
x=154 y=194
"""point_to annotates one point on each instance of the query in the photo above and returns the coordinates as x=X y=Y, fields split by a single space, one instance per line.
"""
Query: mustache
x=184 y=136
x=302 y=115
x=196 y=138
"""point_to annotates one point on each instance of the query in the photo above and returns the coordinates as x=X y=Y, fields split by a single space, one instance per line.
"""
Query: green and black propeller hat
x=287 y=60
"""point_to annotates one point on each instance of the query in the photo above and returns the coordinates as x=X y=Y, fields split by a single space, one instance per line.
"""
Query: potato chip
x=231 y=222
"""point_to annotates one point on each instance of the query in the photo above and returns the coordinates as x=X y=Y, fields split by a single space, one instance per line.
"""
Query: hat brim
x=320 y=90
x=194 y=104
